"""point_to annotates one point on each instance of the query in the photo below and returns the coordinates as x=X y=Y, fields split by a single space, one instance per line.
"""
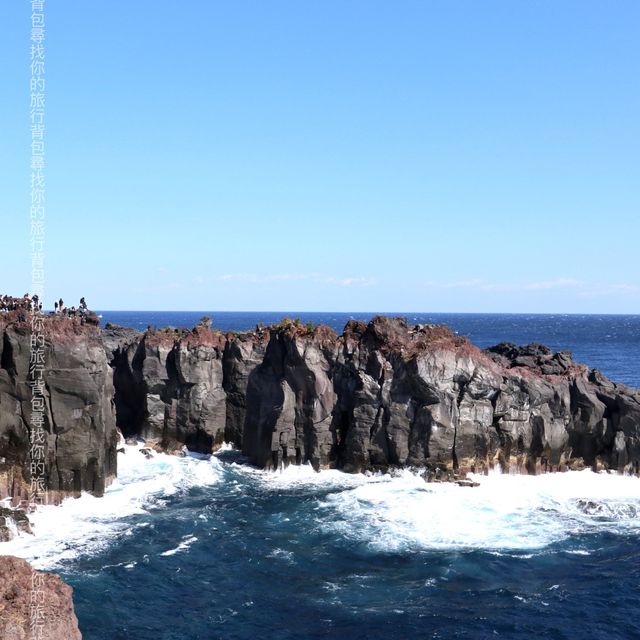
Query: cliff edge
x=79 y=416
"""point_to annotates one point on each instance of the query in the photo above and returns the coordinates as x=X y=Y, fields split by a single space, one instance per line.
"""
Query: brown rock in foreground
x=19 y=592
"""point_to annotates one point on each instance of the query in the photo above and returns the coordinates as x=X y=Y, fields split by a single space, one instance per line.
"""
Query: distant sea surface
x=610 y=343
x=199 y=549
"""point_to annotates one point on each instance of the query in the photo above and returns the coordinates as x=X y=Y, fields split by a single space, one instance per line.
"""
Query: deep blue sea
x=189 y=548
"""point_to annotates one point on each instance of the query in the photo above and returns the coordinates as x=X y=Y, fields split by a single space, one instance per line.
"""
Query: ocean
x=206 y=548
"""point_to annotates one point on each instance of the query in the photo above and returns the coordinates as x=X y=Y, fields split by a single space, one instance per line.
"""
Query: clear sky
x=429 y=155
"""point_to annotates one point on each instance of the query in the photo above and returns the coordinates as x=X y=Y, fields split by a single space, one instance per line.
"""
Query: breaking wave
x=88 y=524
x=505 y=512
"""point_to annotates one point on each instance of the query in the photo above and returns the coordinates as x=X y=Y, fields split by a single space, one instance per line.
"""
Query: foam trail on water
x=187 y=541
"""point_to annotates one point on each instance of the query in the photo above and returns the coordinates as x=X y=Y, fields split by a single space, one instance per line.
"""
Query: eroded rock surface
x=13 y=522
x=27 y=595
x=80 y=433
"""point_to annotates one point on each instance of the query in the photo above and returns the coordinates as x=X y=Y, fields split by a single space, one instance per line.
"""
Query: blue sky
x=337 y=155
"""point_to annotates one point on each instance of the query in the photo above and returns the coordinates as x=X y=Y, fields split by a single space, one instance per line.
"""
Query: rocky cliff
x=34 y=604
x=381 y=395
x=80 y=429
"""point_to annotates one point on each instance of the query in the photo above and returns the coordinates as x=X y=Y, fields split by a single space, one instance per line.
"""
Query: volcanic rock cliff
x=382 y=394
x=80 y=423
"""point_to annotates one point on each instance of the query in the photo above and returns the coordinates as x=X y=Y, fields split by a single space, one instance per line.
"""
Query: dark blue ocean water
x=182 y=548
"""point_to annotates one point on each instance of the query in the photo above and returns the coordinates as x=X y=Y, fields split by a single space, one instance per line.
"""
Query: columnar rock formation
x=380 y=395
x=79 y=416
x=34 y=604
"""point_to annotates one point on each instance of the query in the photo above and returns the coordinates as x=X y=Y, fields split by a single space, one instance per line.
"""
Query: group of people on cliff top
x=81 y=311
x=26 y=303
x=33 y=303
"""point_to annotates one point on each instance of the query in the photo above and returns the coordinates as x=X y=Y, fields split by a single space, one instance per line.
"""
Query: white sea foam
x=88 y=524
x=504 y=512
x=305 y=477
x=282 y=554
x=11 y=526
x=187 y=541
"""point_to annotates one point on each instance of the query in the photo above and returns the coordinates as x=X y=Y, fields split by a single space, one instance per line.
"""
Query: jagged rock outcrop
x=169 y=386
x=79 y=417
x=34 y=604
x=381 y=395
x=290 y=400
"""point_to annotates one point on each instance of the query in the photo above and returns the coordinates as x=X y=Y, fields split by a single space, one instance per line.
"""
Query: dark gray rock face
x=289 y=402
x=380 y=395
x=81 y=437
x=169 y=387
x=242 y=356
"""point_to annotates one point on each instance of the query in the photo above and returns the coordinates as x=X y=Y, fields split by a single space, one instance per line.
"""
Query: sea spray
x=509 y=512
x=86 y=525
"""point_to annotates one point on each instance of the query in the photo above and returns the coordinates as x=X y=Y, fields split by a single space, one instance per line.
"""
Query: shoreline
x=150 y=485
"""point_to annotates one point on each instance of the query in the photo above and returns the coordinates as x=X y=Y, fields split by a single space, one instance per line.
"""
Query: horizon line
x=372 y=313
